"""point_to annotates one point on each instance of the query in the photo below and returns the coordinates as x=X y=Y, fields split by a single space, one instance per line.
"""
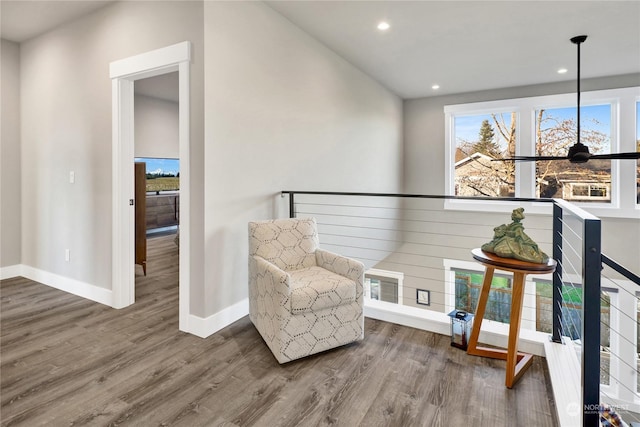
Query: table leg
x=515 y=368
x=516 y=362
x=482 y=305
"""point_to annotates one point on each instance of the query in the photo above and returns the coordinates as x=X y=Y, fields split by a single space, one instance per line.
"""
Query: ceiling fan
x=578 y=153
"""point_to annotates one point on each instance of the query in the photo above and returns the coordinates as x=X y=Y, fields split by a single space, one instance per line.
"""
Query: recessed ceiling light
x=383 y=26
x=562 y=70
x=435 y=87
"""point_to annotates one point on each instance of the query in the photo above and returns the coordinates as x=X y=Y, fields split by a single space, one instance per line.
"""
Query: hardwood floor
x=68 y=361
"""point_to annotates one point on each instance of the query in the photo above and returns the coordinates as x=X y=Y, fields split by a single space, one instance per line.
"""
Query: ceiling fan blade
x=529 y=158
x=616 y=156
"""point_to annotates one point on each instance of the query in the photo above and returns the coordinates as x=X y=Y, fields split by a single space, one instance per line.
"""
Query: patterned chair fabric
x=302 y=299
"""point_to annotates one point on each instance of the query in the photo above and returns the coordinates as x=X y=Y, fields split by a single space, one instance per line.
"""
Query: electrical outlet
x=67 y=255
x=72 y=177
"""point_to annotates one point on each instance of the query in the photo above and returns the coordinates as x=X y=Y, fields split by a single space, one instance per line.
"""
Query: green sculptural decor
x=510 y=241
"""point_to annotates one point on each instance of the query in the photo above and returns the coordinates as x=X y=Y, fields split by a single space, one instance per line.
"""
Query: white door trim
x=123 y=73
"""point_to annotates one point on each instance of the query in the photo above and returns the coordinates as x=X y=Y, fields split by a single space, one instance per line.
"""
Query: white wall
x=10 y=212
x=156 y=127
x=66 y=126
x=424 y=145
x=282 y=112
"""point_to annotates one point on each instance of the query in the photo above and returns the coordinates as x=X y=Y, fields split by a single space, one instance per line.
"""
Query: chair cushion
x=315 y=288
x=288 y=243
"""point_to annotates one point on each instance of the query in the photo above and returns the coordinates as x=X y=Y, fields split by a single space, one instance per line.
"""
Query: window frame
x=590 y=186
x=623 y=139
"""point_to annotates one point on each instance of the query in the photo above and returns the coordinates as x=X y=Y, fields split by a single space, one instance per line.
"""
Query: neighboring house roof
x=474 y=157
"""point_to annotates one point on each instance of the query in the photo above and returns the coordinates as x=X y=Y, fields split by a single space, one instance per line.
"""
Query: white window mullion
x=526 y=171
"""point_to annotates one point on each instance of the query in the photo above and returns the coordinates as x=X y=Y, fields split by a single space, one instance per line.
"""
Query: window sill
x=540 y=208
x=500 y=206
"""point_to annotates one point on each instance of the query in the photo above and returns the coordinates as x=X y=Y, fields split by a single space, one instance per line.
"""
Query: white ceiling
x=164 y=86
x=463 y=46
x=22 y=20
x=466 y=46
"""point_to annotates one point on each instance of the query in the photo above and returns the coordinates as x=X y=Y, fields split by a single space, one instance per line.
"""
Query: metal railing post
x=591 y=267
x=292 y=206
x=556 y=335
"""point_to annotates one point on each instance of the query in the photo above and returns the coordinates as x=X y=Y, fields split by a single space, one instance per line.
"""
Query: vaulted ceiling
x=466 y=46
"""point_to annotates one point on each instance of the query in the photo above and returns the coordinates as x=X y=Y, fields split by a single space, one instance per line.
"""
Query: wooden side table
x=516 y=362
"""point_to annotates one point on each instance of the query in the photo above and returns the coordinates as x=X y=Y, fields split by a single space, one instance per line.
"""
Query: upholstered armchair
x=302 y=299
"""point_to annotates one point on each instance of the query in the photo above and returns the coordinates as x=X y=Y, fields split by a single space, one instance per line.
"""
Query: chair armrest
x=347 y=267
x=281 y=277
x=270 y=281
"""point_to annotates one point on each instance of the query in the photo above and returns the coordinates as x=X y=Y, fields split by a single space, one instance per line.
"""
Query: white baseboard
x=73 y=286
x=492 y=333
x=204 y=327
x=408 y=316
x=10 y=271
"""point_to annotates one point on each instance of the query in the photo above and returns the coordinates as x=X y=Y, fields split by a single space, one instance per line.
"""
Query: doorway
x=157 y=166
x=124 y=73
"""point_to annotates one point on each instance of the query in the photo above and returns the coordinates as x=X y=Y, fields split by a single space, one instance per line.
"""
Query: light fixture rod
x=578 y=40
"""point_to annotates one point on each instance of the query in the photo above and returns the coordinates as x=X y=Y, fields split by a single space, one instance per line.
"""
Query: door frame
x=124 y=73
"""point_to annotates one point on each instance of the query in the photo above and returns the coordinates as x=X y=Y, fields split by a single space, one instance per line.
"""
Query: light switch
x=72 y=177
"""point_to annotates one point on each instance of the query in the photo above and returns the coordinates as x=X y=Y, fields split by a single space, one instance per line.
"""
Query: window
x=384 y=285
x=163 y=174
x=585 y=191
x=478 y=133
x=555 y=130
x=572 y=318
x=479 y=140
x=468 y=286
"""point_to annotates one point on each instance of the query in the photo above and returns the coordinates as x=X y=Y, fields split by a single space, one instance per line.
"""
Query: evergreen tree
x=486 y=141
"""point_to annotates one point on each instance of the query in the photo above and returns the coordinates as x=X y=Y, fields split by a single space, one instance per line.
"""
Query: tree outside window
x=479 y=140
x=477 y=134
x=555 y=132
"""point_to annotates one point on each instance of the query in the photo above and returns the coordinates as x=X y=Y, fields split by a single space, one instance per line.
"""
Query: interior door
x=141 y=213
